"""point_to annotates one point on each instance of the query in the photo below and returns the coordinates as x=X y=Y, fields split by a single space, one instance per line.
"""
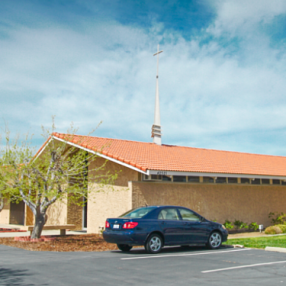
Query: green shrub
x=237 y=223
x=240 y=224
x=277 y=218
x=228 y=224
x=253 y=226
x=282 y=227
x=244 y=225
x=273 y=230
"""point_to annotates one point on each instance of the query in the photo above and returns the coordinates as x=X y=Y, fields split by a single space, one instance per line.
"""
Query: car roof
x=162 y=206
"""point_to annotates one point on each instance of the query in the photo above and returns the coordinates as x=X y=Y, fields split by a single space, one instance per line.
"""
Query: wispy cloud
x=222 y=87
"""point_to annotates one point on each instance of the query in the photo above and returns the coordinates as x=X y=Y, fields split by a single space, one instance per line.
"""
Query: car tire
x=154 y=243
x=124 y=247
x=215 y=240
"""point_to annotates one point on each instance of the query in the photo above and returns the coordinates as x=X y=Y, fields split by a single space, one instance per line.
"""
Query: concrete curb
x=233 y=246
x=276 y=249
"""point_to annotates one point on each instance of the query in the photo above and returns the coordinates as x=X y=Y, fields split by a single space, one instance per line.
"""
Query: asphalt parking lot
x=173 y=266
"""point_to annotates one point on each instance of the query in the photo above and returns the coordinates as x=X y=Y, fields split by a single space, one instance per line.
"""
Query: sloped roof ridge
x=227 y=151
x=55 y=133
x=177 y=146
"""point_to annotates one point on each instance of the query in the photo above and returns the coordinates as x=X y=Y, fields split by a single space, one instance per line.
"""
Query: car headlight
x=223 y=226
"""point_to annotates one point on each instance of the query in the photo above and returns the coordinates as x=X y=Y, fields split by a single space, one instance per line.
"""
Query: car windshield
x=138 y=213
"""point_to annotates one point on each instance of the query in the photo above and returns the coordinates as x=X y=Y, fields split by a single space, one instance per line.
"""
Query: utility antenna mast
x=156 y=127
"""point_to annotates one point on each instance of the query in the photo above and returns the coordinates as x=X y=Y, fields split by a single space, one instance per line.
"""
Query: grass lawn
x=259 y=242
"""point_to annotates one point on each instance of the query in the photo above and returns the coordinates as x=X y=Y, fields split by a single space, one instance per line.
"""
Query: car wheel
x=215 y=240
x=154 y=243
x=124 y=247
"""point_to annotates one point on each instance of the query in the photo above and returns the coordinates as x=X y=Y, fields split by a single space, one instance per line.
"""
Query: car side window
x=170 y=214
x=189 y=215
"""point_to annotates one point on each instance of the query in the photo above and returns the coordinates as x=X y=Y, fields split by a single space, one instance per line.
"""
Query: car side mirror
x=203 y=219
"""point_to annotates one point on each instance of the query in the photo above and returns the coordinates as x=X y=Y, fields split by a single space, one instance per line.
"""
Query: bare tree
x=57 y=172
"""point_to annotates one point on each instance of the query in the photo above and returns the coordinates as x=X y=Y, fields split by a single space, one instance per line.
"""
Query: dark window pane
x=193 y=179
x=156 y=177
x=179 y=178
x=255 y=181
x=221 y=180
x=138 y=213
x=167 y=178
x=208 y=179
x=188 y=215
x=244 y=180
x=168 y=214
x=283 y=182
x=276 y=182
x=265 y=181
x=232 y=180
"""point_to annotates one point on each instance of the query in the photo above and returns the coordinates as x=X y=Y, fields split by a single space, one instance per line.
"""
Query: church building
x=220 y=185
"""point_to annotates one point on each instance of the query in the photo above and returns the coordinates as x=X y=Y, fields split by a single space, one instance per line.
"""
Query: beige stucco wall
x=248 y=203
x=57 y=213
x=5 y=213
x=108 y=203
x=111 y=201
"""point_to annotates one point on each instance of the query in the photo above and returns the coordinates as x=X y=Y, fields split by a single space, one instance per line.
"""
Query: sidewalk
x=27 y=233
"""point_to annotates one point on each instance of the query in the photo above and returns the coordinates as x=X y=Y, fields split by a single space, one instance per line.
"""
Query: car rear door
x=171 y=225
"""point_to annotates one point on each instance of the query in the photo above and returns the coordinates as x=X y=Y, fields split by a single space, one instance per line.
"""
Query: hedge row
x=276 y=229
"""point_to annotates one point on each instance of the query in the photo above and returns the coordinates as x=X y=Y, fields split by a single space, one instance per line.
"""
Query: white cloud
x=107 y=72
x=243 y=16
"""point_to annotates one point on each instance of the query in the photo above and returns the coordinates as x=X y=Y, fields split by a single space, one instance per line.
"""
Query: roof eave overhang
x=205 y=174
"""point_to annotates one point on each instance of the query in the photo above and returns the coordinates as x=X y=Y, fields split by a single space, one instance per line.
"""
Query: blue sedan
x=157 y=226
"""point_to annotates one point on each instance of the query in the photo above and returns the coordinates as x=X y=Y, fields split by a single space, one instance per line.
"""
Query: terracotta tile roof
x=149 y=156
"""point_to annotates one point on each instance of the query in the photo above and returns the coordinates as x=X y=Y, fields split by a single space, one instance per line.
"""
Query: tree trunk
x=1 y=203
x=38 y=226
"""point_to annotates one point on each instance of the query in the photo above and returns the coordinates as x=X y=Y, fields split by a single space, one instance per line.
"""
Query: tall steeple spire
x=156 y=128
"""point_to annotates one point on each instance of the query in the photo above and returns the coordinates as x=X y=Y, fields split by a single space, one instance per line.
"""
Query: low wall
x=248 y=203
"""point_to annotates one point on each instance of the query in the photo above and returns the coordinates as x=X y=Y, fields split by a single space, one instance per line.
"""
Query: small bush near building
x=240 y=225
x=253 y=226
x=277 y=218
x=276 y=229
x=228 y=225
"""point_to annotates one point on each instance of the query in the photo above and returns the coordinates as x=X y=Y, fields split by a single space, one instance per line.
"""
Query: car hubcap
x=215 y=240
x=155 y=243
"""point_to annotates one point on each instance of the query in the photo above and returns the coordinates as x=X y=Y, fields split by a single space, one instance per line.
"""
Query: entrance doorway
x=17 y=213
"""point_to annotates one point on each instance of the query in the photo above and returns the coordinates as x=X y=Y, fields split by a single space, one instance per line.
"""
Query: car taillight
x=107 y=224
x=129 y=225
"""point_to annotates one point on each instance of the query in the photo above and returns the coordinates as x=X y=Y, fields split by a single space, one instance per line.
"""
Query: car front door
x=171 y=225
x=195 y=231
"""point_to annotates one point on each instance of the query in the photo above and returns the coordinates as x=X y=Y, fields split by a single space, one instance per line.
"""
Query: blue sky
x=222 y=72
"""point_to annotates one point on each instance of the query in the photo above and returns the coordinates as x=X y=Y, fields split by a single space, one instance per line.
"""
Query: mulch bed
x=11 y=230
x=85 y=242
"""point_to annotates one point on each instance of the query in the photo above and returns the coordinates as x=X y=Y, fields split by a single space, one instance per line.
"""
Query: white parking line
x=185 y=254
x=243 y=266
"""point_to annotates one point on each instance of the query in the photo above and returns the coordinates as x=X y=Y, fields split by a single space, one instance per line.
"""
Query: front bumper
x=224 y=235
